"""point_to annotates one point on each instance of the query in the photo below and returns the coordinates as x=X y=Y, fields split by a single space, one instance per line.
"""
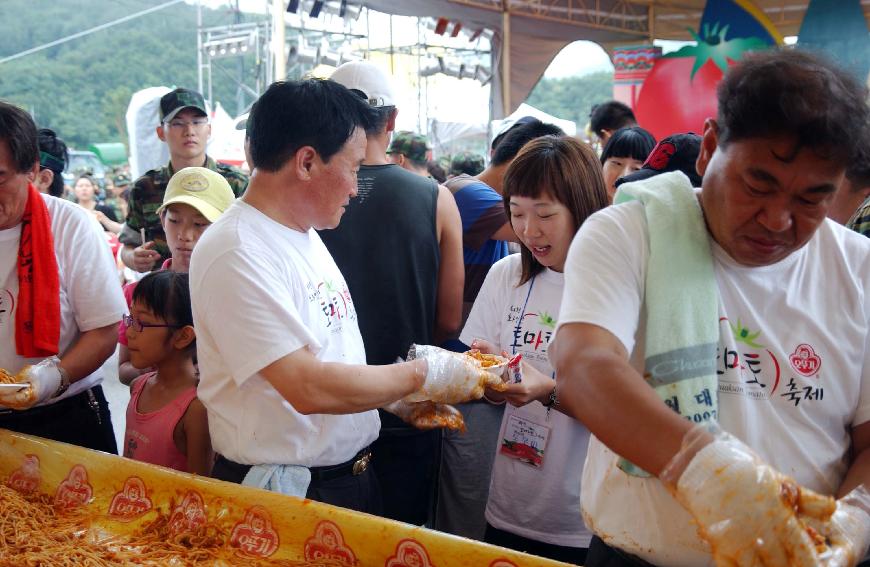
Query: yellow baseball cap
x=201 y=188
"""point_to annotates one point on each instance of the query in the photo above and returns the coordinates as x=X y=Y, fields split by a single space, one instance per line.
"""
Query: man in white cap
x=399 y=244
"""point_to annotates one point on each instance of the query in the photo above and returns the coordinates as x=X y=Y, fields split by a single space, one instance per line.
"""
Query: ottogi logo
x=75 y=489
x=131 y=502
x=26 y=479
x=327 y=546
x=255 y=535
x=409 y=553
x=189 y=515
x=805 y=361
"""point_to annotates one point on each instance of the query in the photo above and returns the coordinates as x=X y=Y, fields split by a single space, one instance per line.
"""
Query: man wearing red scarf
x=60 y=302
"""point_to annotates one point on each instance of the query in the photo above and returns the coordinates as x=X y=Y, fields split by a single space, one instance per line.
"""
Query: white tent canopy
x=497 y=126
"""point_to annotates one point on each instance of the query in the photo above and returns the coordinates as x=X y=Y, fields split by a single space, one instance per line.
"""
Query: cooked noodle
x=33 y=532
x=6 y=378
x=486 y=360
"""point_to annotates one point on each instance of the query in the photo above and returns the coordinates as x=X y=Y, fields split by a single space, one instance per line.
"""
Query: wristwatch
x=552 y=400
x=64 y=382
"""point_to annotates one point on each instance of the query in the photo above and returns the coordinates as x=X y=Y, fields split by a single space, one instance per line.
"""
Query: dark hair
x=167 y=294
x=795 y=93
x=291 y=114
x=858 y=172
x=518 y=137
x=563 y=168
x=93 y=182
x=467 y=163
x=89 y=177
x=19 y=131
x=436 y=171
x=631 y=142
x=56 y=148
x=380 y=115
x=610 y=115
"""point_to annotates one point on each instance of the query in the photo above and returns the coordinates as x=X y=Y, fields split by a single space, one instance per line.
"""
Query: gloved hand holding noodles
x=751 y=514
x=452 y=377
x=43 y=382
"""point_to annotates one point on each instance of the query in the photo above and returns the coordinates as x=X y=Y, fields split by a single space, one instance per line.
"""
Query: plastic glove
x=43 y=381
x=848 y=531
x=748 y=512
x=452 y=377
x=428 y=415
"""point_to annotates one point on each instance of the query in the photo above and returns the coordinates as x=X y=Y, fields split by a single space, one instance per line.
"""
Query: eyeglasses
x=139 y=326
x=183 y=124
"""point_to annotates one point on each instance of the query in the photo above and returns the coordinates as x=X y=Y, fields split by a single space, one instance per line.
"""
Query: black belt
x=87 y=397
x=355 y=466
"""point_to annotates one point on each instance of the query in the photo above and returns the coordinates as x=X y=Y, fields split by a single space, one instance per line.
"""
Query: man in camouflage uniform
x=468 y=163
x=410 y=151
x=185 y=129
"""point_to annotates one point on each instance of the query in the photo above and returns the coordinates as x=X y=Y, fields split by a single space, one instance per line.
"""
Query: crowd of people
x=687 y=320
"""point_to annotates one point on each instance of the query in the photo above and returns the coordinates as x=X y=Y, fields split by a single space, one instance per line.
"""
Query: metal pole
x=199 y=44
x=506 y=60
x=392 y=54
x=278 y=40
x=419 y=93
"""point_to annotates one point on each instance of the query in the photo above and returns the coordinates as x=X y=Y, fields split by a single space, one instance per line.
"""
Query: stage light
x=316 y=8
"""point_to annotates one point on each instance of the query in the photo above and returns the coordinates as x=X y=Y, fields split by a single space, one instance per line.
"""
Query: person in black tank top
x=399 y=247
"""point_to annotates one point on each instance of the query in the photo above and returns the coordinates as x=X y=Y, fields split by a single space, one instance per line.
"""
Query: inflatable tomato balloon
x=680 y=91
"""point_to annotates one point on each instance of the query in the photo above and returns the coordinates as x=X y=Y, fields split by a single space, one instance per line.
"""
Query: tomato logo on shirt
x=805 y=361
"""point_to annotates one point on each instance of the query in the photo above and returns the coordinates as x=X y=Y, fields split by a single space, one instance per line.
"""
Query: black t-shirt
x=108 y=211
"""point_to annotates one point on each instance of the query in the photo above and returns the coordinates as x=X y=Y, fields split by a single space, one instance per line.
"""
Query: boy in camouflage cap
x=411 y=151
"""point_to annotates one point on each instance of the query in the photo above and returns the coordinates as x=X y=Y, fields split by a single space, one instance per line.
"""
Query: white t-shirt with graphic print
x=90 y=294
x=261 y=291
x=792 y=361
x=543 y=503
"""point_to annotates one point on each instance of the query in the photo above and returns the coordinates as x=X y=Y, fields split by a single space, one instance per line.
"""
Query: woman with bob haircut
x=550 y=189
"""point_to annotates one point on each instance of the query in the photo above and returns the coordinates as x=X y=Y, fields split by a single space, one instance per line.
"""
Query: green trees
x=81 y=88
x=572 y=98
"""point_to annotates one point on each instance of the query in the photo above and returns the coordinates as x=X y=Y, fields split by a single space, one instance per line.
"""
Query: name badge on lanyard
x=525 y=441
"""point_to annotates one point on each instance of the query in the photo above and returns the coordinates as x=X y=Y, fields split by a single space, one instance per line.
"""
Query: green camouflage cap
x=413 y=146
x=175 y=101
x=469 y=163
x=122 y=179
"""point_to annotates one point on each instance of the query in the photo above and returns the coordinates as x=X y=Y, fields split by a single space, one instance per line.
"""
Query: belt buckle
x=361 y=464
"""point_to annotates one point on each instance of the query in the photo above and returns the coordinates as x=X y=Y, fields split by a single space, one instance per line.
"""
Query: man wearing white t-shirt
x=792 y=360
x=281 y=359
x=59 y=302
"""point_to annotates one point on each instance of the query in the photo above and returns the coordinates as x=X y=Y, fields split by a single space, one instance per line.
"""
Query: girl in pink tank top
x=167 y=425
